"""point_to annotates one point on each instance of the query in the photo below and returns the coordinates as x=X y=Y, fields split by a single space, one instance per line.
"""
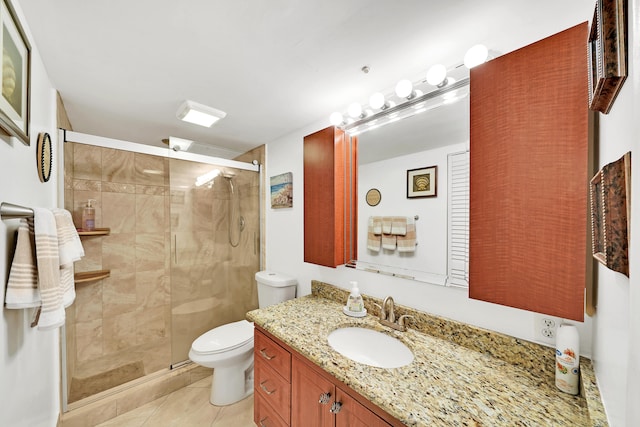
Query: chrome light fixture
x=199 y=114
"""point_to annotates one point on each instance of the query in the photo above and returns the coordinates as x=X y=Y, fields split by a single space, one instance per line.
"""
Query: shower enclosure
x=180 y=242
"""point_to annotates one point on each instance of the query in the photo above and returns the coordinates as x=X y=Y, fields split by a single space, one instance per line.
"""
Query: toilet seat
x=224 y=338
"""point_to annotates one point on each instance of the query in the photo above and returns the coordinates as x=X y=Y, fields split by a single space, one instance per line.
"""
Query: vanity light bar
x=408 y=104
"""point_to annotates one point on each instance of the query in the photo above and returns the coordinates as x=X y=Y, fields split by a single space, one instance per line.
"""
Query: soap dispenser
x=89 y=216
x=355 y=305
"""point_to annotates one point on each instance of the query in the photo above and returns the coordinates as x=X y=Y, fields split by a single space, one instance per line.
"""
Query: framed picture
x=422 y=182
x=282 y=191
x=607 y=53
x=610 y=214
x=15 y=73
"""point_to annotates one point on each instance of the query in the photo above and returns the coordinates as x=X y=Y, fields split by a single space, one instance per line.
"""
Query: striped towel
x=48 y=261
x=69 y=250
x=373 y=239
x=22 y=287
x=399 y=225
x=407 y=243
x=386 y=224
x=389 y=242
x=377 y=225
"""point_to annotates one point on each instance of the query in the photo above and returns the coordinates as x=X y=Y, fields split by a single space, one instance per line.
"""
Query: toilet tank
x=274 y=288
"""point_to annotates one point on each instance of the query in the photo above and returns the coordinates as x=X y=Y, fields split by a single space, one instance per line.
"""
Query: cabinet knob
x=265 y=355
x=335 y=407
x=324 y=398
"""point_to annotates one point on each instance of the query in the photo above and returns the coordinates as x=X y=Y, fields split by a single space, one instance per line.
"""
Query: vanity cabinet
x=329 y=157
x=289 y=390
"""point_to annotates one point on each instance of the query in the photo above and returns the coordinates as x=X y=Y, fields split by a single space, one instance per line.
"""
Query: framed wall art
x=610 y=214
x=282 y=191
x=16 y=66
x=607 y=53
x=422 y=182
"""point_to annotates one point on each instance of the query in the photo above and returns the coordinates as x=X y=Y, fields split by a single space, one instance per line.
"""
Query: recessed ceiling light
x=199 y=114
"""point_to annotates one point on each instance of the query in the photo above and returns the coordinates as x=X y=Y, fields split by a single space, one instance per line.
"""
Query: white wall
x=29 y=359
x=617 y=321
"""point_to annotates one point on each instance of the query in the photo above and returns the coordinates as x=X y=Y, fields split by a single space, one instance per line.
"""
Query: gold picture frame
x=607 y=53
x=15 y=75
x=422 y=182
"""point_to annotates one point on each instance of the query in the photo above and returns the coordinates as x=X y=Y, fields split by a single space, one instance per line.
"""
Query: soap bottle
x=354 y=302
x=89 y=216
x=568 y=359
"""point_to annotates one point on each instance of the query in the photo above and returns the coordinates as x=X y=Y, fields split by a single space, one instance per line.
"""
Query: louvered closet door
x=458 y=213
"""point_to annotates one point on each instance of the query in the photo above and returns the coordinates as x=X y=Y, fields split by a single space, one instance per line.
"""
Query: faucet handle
x=401 y=320
x=383 y=314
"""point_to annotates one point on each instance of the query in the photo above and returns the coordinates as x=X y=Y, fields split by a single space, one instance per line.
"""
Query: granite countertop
x=461 y=375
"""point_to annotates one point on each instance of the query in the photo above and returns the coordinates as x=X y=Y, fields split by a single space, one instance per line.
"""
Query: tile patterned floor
x=187 y=407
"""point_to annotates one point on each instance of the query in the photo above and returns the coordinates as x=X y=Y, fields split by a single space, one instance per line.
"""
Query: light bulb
x=436 y=74
x=376 y=101
x=336 y=118
x=404 y=88
x=355 y=110
x=476 y=55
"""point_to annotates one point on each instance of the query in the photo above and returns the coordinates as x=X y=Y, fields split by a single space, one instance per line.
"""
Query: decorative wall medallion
x=373 y=197
x=44 y=154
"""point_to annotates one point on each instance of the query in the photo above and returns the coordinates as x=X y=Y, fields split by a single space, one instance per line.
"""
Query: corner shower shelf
x=91 y=276
x=96 y=232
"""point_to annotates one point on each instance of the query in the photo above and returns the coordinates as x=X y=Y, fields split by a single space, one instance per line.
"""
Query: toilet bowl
x=228 y=349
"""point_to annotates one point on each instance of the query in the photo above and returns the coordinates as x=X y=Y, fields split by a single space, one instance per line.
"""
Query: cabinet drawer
x=273 y=355
x=272 y=389
x=264 y=415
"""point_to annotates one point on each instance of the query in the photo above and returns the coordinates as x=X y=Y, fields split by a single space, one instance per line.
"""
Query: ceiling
x=123 y=67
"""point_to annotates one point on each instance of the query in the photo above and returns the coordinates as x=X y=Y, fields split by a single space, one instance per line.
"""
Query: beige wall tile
x=150 y=170
x=119 y=253
x=151 y=325
x=150 y=253
x=90 y=415
x=87 y=162
x=149 y=213
x=92 y=259
x=88 y=304
x=152 y=289
x=119 y=212
x=119 y=332
x=157 y=389
x=118 y=187
x=118 y=166
x=89 y=340
x=119 y=295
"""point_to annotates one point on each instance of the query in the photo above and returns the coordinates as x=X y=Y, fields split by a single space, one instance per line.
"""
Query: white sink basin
x=370 y=347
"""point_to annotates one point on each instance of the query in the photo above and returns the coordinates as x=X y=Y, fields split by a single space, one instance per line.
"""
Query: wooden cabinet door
x=353 y=414
x=306 y=389
x=264 y=415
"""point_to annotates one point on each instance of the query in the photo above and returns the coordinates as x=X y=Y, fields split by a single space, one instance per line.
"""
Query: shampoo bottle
x=89 y=216
x=354 y=302
x=568 y=359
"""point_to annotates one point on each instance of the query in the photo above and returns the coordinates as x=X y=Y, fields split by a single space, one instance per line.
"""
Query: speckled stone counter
x=461 y=375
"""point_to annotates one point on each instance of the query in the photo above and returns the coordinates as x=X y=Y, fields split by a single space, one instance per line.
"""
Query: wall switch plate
x=545 y=328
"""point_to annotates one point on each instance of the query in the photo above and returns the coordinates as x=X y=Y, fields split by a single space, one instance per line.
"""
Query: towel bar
x=11 y=211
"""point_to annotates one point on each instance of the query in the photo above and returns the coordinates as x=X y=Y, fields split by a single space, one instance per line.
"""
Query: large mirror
x=435 y=136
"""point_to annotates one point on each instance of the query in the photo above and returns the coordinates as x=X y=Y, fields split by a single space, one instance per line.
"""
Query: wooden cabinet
x=318 y=402
x=529 y=177
x=289 y=390
x=329 y=197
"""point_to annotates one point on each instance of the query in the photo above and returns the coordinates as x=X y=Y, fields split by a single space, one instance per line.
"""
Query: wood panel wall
x=529 y=182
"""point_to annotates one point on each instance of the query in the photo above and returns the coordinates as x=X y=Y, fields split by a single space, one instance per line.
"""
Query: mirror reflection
x=386 y=154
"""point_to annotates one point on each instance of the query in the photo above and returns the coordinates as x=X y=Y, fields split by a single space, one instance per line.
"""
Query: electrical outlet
x=545 y=328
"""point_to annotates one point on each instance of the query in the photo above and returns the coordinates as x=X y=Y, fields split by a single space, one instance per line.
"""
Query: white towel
x=22 y=287
x=70 y=250
x=407 y=243
x=399 y=225
x=386 y=224
x=389 y=242
x=48 y=261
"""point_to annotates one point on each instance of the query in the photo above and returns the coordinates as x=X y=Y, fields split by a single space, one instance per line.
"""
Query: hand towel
x=399 y=225
x=373 y=239
x=377 y=225
x=69 y=250
x=48 y=261
x=389 y=242
x=386 y=224
x=22 y=287
x=407 y=243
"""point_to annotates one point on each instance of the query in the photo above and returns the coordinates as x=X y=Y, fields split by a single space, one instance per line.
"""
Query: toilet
x=228 y=349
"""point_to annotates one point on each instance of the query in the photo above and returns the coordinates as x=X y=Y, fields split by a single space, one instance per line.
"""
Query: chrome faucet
x=388 y=316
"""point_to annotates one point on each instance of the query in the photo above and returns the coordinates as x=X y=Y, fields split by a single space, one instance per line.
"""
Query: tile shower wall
x=120 y=328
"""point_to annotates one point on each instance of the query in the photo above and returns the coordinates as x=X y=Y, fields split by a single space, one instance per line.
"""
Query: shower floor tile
x=187 y=407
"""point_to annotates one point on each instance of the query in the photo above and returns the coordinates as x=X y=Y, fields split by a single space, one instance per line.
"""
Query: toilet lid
x=224 y=338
